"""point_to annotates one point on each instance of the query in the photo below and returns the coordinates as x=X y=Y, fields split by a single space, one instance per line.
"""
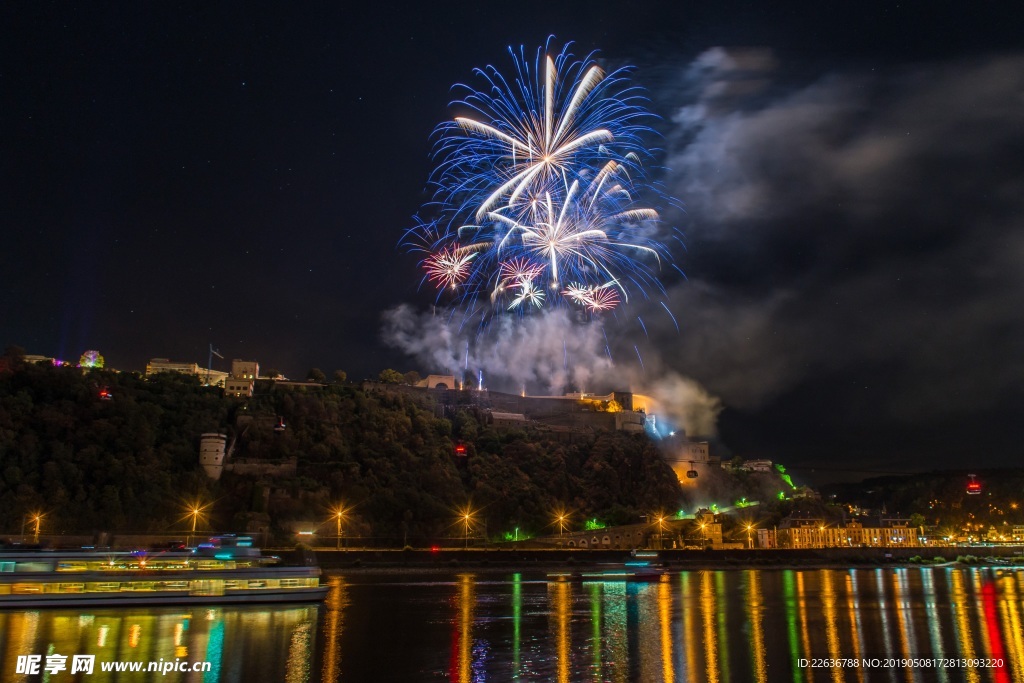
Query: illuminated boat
x=226 y=570
x=625 y=571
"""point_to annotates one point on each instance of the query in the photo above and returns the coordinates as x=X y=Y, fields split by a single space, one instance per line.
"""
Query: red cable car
x=105 y=394
x=280 y=426
x=973 y=486
x=460 y=450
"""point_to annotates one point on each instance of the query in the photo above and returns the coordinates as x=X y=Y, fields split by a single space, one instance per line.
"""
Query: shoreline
x=504 y=561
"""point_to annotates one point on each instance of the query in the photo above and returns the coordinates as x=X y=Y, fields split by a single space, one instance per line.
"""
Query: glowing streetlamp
x=195 y=510
x=561 y=517
x=37 y=518
x=750 y=543
x=339 y=512
x=465 y=518
x=661 y=530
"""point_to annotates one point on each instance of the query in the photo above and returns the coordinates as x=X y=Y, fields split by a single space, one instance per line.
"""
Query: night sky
x=851 y=184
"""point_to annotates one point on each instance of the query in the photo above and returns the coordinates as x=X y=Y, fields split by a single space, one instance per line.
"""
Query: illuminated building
x=437 y=382
x=238 y=388
x=815 y=533
x=244 y=369
x=211 y=377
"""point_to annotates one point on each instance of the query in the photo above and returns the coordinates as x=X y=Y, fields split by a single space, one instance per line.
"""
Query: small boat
x=637 y=570
x=224 y=570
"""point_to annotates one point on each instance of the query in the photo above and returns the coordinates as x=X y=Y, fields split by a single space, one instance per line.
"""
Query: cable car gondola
x=973 y=486
x=280 y=426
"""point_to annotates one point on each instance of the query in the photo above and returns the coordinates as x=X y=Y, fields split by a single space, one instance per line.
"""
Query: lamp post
x=750 y=543
x=194 y=514
x=37 y=519
x=337 y=518
x=465 y=519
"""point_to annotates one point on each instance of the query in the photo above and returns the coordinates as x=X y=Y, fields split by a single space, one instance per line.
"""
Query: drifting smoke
x=862 y=227
x=549 y=351
x=544 y=350
x=687 y=402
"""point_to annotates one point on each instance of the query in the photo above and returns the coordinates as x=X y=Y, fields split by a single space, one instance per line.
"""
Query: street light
x=194 y=511
x=37 y=518
x=337 y=516
x=466 y=520
x=561 y=516
x=749 y=542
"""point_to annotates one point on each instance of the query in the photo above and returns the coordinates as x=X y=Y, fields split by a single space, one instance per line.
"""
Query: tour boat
x=224 y=570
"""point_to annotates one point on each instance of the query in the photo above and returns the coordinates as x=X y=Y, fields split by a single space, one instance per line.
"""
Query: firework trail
x=537 y=186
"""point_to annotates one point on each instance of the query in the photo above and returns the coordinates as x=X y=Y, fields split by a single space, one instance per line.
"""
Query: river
x=714 y=626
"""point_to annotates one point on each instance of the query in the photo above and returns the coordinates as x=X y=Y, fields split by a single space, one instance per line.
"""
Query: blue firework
x=539 y=176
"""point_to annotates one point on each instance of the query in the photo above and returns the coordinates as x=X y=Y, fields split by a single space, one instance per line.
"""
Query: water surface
x=714 y=626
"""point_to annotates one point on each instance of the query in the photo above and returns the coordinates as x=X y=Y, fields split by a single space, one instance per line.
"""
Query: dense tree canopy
x=130 y=463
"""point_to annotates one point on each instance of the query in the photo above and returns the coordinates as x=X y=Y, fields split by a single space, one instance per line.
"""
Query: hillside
x=131 y=463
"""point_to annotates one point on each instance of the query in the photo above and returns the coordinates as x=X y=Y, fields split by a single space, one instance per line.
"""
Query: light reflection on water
x=714 y=626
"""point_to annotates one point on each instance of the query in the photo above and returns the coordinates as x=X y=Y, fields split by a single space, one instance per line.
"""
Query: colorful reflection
x=1009 y=610
x=562 y=611
x=461 y=666
x=708 y=626
x=333 y=622
x=828 y=606
x=239 y=643
x=962 y=623
x=755 y=610
x=517 y=619
x=690 y=639
x=708 y=612
x=789 y=591
x=665 y=627
x=614 y=631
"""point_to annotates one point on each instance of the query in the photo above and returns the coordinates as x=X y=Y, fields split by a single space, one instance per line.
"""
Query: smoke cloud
x=858 y=225
x=547 y=351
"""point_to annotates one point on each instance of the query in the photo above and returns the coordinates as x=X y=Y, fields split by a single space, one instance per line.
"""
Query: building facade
x=245 y=369
x=815 y=533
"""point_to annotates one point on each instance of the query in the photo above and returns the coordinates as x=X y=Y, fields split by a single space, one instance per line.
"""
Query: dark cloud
x=865 y=224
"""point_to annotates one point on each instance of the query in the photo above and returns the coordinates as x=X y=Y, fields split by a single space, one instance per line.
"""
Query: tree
x=14 y=353
x=316 y=375
x=340 y=376
x=411 y=377
x=272 y=374
x=390 y=376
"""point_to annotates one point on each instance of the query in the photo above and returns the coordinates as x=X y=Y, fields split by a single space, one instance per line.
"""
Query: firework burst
x=537 y=183
x=560 y=119
x=449 y=266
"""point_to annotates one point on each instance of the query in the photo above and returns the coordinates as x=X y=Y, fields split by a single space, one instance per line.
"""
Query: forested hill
x=131 y=463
